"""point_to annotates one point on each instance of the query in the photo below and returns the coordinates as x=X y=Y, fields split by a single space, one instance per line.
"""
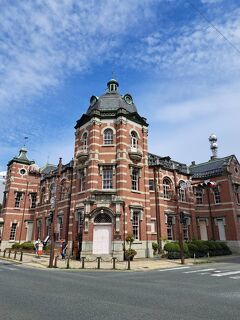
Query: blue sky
x=183 y=74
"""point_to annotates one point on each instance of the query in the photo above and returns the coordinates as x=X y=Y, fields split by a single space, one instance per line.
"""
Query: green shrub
x=173 y=250
x=27 y=246
x=47 y=248
x=172 y=247
x=16 y=246
x=155 y=247
x=193 y=249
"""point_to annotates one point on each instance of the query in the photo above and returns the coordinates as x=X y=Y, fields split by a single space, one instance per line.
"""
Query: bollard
x=68 y=263
x=55 y=262
x=208 y=255
x=114 y=262
x=129 y=267
x=4 y=253
x=15 y=254
x=83 y=260
x=98 y=262
x=194 y=257
x=21 y=255
x=9 y=253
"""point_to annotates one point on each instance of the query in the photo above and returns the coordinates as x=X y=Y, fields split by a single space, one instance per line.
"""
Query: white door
x=29 y=231
x=221 y=230
x=102 y=239
x=203 y=230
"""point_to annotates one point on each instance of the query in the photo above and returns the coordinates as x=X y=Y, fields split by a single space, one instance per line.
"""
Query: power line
x=213 y=26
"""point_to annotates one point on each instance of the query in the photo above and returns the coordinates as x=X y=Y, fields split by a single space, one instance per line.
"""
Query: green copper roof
x=22 y=157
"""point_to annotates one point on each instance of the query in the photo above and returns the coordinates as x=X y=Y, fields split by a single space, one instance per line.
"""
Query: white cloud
x=44 y=40
x=195 y=49
x=182 y=129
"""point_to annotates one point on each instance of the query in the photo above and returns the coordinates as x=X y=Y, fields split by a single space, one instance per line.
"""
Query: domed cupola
x=112 y=85
x=111 y=100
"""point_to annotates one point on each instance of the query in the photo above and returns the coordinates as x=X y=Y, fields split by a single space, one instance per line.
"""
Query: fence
x=97 y=263
x=12 y=254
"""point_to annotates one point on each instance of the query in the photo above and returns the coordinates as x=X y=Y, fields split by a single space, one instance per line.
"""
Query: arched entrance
x=102 y=233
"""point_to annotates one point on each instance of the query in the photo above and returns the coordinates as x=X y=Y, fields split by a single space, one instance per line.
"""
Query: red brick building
x=114 y=186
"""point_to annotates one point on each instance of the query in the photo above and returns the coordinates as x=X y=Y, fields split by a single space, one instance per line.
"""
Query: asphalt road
x=209 y=291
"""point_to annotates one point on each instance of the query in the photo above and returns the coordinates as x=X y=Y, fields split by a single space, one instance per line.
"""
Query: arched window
x=108 y=136
x=134 y=140
x=103 y=218
x=181 y=192
x=84 y=140
x=166 y=188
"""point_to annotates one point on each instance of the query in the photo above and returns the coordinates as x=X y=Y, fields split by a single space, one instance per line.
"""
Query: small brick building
x=114 y=187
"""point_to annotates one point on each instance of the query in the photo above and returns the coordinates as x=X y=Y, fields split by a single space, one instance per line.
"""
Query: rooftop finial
x=25 y=141
x=213 y=145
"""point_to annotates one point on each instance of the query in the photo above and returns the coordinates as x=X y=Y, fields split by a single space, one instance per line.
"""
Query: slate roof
x=112 y=101
x=214 y=167
x=21 y=158
x=167 y=163
x=48 y=168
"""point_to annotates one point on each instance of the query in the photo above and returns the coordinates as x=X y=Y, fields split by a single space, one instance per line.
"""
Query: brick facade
x=114 y=186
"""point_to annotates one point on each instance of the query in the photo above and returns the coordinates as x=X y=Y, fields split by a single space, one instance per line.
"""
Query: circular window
x=128 y=98
x=22 y=171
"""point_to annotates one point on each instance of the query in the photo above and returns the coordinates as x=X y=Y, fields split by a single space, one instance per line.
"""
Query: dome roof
x=112 y=100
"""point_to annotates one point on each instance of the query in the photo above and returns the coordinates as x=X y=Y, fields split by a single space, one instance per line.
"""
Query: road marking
x=225 y=274
x=199 y=270
x=237 y=277
x=170 y=269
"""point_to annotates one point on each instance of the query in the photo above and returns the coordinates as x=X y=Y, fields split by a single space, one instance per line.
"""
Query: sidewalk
x=32 y=260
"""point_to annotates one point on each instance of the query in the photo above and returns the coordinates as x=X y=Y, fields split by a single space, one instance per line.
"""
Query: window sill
x=108 y=145
x=136 y=191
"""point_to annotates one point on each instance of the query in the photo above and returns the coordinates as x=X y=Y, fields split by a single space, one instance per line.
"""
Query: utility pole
x=179 y=219
x=53 y=214
x=157 y=207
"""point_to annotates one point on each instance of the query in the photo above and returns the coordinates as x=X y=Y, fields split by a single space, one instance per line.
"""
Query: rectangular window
x=151 y=185
x=216 y=193
x=13 y=231
x=185 y=230
x=33 y=200
x=107 y=177
x=182 y=195
x=237 y=192
x=170 y=228
x=199 y=195
x=135 y=225
x=18 y=198
x=82 y=181
x=135 y=179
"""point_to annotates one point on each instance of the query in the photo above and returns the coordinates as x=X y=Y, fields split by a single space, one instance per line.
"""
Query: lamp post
x=53 y=214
